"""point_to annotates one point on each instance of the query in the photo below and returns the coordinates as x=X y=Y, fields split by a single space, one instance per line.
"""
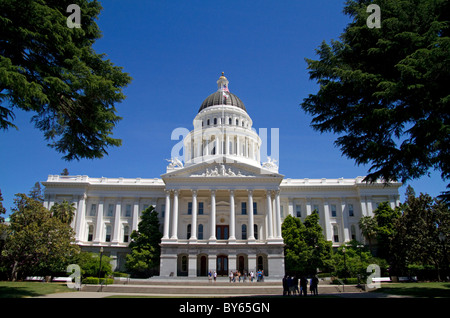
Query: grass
x=30 y=289
x=427 y=290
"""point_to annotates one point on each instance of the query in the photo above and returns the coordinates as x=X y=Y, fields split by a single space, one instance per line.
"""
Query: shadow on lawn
x=418 y=291
x=16 y=292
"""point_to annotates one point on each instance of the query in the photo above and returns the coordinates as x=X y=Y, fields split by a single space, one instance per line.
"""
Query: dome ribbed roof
x=218 y=99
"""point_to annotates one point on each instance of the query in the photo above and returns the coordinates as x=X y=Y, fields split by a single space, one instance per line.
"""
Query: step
x=212 y=289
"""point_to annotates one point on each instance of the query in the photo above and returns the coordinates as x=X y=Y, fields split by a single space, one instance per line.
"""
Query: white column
x=213 y=216
x=328 y=228
x=238 y=146
x=232 y=218
x=344 y=220
x=81 y=211
x=194 y=216
x=291 y=207
x=278 y=215
x=99 y=225
x=167 y=216
x=269 y=214
x=251 y=232
x=227 y=145
x=308 y=206
x=175 y=216
x=117 y=216
x=135 y=215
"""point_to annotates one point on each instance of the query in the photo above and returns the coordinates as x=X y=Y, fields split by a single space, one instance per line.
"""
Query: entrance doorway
x=222 y=232
x=203 y=267
x=222 y=265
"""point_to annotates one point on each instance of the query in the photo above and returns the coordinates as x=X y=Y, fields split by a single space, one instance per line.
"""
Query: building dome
x=222 y=97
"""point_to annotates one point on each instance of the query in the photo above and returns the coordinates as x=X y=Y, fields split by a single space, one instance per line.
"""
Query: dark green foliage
x=143 y=261
x=52 y=70
x=386 y=91
x=305 y=247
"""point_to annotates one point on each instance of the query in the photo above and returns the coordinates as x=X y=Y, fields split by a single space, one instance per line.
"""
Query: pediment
x=219 y=170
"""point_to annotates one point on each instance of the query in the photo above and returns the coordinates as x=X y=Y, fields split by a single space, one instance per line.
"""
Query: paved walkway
x=81 y=294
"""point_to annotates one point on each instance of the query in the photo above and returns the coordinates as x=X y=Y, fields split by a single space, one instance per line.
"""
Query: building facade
x=222 y=209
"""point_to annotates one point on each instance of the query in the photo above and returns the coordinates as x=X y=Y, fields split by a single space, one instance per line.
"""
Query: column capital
x=194 y=193
x=213 y=192
x=250 y=192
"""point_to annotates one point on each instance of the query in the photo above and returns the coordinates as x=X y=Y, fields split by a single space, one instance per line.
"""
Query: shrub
x=95 y=281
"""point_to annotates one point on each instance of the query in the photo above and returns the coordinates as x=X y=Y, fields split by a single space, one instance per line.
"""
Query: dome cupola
x=222 y=96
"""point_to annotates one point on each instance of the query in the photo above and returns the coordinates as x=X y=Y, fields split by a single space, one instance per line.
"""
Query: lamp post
x=345 y=263
x=100 y=265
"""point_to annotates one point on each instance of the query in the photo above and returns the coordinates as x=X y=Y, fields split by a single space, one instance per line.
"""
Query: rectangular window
x=108 y=233
x=200 y=208
x=126 y=234
x=189 y=208
x=128 y=210
x=243 y=208
x=298 y=210
x=333 y=210
x=110 y=211
x=255 y=208
x=350 y=210
x=93 y=210
x=316 y=208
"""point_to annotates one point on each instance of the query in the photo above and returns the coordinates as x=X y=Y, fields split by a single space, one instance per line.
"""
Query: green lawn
x=429 y=290
x=30 y=289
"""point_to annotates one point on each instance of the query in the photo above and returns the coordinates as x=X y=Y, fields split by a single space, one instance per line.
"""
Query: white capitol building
x=222 y=209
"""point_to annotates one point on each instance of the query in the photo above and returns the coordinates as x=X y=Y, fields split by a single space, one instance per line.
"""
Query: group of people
x=237 y=276
x=291 y=285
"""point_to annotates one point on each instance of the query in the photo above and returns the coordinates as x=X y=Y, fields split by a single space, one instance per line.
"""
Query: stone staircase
x=185 y=287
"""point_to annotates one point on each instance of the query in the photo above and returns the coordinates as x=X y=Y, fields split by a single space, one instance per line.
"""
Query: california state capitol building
x=222 y=208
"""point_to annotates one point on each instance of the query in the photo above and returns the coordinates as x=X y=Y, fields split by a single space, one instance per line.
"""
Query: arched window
x=255 y=230
x=200 y=232
x=188 y=231
x=244 y=231
x=229 y=121
x=126 y=233
x=215 y=121
x=207 y=122
x=237 y=122
x=353 y=232
x=335 y=233
x=108 y=233
x=90 y=233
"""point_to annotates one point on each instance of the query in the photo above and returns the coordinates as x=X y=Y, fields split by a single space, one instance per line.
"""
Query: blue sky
x=175 y=51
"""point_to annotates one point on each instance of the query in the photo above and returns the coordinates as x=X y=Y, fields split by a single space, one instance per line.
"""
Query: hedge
x=95 y=280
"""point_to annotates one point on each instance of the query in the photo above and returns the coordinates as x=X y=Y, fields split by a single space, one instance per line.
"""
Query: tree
x=385 y=90
x=305 y=247
x=2 y=209
x=386 y=218
x=36 y=193
x=143 y=261
x=368 y=226
x=64 y=211
x=89 y=264
x=416 y=240
x=36 y=242
x=65 y=172
x=295 y=248
x=53 y=71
